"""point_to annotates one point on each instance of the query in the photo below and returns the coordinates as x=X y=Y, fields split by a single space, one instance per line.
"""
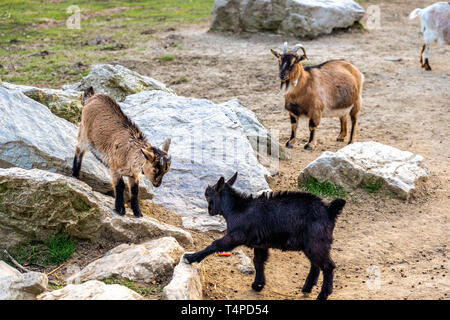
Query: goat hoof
x=306 y=289
x=257 y=286
x=120 y=211
x=322 y=296
x=340 y=139
x=188 y=258
x=288 y=145
x=308 y=147
x=138 y=214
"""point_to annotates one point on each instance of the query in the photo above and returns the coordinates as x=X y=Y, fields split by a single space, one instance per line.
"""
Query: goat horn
x=285 y=48
x=299 y=46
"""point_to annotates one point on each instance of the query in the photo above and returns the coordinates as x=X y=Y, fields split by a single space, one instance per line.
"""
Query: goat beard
x=286 y=85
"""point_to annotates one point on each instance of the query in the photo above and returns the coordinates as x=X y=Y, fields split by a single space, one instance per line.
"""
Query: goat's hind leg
x=77 y=159
x=311 y=279
x=119 y=188
x=327 y=286
x=344 y=128
x=259 y=260
x=354 y=114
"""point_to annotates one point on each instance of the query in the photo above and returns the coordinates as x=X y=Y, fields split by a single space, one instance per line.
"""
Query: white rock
x=116 y=81
x=143 y=263
x=186 y=283
x=6 y=270
x=364 y=162
x=66 y=104
x=22 y=286
x=91 y=290
x=245 y=266
x=35 y=204
x=302 y=18
x=208 y=141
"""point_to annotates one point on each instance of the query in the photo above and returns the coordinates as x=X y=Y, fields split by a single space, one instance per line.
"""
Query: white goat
x=435 y=21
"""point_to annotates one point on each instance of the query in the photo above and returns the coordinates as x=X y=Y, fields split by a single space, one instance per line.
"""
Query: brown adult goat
x=119 y=144
x=330 y=89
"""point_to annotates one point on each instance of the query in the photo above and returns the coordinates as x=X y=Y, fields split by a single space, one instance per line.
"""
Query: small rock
x=186 y=283
x=21 y=286
x=246 y=265
x=91 y=290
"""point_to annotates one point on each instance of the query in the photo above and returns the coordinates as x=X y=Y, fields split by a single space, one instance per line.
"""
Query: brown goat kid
x=330 y=89
x=119 y=144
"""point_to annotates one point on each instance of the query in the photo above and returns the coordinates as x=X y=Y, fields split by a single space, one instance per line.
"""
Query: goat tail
x=415 y=13
x=335 y=207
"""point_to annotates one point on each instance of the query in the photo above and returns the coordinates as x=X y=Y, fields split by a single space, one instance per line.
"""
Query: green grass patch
x=60 y=248
x=143 y=290
x=373 y=187
x=323 y=189
x=167 y=58
x=55 y=250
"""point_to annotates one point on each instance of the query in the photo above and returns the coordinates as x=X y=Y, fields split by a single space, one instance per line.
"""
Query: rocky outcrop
x=65 y=104
x=116 y=81
x=142 y=263
x=363 y=163
x=35 y=204
x=20 y=286
x=301 y=18
x=186 y=283
x=91 y=290
x=208 y=141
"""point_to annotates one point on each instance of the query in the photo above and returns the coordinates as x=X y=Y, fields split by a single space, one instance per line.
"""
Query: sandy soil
x=408 y=243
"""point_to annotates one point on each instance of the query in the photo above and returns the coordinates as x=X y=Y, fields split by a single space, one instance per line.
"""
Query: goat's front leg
x=314 y=122
x=227 y=243
x=344 y=129
x=259 y=259
x=134 y=188
x=119 y=188
x=294 y=125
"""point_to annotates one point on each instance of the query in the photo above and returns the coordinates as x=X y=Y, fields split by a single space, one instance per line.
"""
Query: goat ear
x=275 y=53
x=149 y=155
x=232 y=179
x=166 y=145
x=301 y=58
x=220 y=184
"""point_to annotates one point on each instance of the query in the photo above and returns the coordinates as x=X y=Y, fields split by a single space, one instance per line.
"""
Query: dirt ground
x=407 y=244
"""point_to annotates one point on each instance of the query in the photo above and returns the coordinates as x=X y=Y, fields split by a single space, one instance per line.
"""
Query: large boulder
x=116 y=81
x=91 y=290
x=363 y=163
x=186 y=283
x=33 y=137
x=301 y=18
x=20 y=286
x=35 y=204
x=66 y=104
x=208 y=141
x=142 y=263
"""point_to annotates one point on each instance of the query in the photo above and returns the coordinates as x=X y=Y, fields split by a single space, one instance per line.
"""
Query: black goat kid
x=287 y=221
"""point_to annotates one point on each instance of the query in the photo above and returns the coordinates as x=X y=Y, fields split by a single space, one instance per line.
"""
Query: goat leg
x=294 y=124
x=78 y=158
x=134 y=188
x=313 y=123
x=119 y=188
x=259 y=259
x=311 y=279
x=227 y=243
x=327 y=285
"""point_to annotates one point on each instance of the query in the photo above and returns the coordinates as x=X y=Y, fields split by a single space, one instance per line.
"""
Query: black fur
x=288 y=221
x=120 y=203
x=134 y=200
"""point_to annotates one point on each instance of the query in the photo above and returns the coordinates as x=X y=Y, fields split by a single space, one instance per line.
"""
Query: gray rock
x=186 y=283
x=91 y=290
x=208 y=141
x=65 y=104
x=361 y=163
x=142 y=263
x=301 y=18
x=116 y=81
x=20 y=286
x=245 y=266
x=35 y=204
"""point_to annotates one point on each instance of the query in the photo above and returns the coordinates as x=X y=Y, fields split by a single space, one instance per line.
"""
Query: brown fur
x=330 y=89
x=116 y=141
